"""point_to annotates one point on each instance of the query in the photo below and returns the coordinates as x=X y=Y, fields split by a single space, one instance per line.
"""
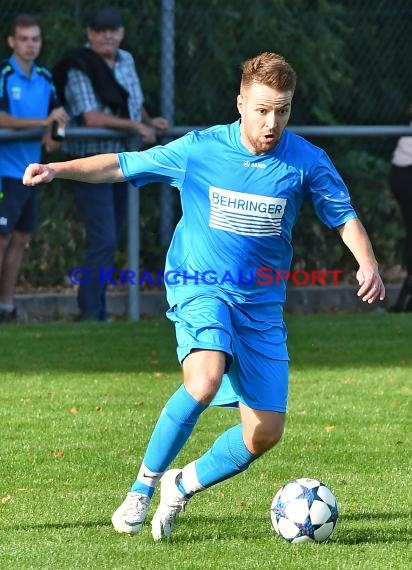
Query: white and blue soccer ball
x=304 y=509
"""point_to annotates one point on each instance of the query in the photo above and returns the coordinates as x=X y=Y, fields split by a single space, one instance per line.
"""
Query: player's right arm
x=94 y=169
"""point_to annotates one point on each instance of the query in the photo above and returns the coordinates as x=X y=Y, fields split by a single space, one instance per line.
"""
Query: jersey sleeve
x=166 y=163
x=329 y=194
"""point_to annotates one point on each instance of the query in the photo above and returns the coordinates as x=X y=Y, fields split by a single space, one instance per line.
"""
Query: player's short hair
x=23 y=21
x=271 y=69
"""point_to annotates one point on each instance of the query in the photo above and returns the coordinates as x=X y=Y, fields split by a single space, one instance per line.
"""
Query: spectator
x=27 y=100
x=101 y=88
x=401 y=185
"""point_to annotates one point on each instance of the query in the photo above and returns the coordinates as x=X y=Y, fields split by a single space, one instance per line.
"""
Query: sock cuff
x=148 y=477
x=184 y=394
x=183 y=408
x=190 y=482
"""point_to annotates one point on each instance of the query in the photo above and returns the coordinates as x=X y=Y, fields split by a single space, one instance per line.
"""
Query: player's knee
x=202 y=374
x=263 y=438
x=203 y=388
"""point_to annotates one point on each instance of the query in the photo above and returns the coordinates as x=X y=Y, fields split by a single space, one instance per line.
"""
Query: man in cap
x=100 y=87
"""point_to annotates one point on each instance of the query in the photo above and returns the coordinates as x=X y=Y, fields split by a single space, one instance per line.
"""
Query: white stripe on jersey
x=245 y=214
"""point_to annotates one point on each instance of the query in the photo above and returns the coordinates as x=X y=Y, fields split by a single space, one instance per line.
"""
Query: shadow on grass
x=379 y=528
x=376 y=516
x=197 y=529
x=188 y=528
x=372 y=536
x=59 y=526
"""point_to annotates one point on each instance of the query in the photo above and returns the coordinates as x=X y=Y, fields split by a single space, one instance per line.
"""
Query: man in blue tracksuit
x=27 y=100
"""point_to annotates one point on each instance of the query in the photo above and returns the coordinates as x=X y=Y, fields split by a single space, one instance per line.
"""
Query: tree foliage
x=352 y=61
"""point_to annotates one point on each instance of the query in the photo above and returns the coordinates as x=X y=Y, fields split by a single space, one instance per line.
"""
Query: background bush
x=352 y=62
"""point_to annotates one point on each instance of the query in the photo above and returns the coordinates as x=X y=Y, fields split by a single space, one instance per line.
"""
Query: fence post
x=167 y=108
x=133 y=250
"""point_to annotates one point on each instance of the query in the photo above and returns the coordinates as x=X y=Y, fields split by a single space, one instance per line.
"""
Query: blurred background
x=353 y=64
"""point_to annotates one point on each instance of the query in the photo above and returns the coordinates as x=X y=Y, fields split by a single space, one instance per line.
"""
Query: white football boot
x=130 y=516
x=172 y=503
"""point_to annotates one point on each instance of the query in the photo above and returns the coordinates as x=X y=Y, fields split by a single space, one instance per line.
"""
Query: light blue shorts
x=258 y=361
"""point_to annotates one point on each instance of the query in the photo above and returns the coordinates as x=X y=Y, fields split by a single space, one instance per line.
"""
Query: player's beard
x=262 y=145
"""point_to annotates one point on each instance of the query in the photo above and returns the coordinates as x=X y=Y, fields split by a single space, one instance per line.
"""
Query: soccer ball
x=304 y=509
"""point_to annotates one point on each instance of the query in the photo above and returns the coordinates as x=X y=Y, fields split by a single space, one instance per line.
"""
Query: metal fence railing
x=166 y=224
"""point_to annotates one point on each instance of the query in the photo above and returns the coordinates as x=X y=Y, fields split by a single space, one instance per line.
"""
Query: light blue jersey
x=239 y=210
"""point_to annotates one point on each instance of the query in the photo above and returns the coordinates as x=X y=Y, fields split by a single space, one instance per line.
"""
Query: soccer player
x=241 y=187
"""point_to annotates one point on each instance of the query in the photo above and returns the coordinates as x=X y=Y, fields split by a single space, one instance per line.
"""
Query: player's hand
x=370 y=282
x=38 y=174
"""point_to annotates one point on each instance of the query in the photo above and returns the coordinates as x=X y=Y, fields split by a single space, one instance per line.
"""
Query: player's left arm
x=356 y=239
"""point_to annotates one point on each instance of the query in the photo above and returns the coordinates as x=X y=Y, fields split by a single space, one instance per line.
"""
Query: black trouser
x=401 y=186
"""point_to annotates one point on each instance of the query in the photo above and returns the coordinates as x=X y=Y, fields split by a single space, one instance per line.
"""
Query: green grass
x=77 y=404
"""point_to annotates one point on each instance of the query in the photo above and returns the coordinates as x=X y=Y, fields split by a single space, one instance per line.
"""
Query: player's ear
x=239 y=102
x=10 y=42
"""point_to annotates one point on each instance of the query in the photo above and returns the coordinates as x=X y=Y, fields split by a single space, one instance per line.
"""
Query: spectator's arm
x=11 y=122
x=160 y=124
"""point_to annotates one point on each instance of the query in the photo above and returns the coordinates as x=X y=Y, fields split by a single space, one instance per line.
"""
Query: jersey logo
x=245 y=214
x=15 y=93
x=248 y=164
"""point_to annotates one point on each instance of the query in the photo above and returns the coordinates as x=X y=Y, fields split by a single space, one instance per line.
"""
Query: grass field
x=77 y=405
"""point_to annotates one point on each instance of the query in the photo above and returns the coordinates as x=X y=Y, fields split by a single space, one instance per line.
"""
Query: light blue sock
x=228 y=456
x=172 y=430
